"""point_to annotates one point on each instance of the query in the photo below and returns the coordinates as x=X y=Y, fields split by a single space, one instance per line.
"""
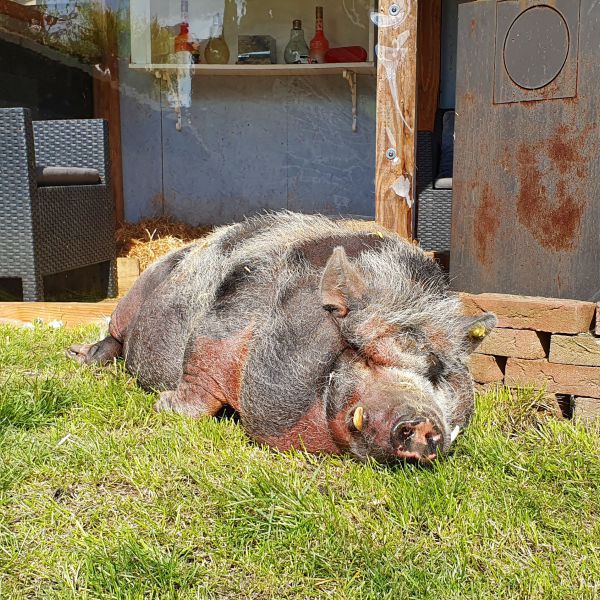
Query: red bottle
x=182 y=41
x=319 y=44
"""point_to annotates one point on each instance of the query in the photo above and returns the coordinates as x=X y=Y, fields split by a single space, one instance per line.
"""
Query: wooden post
x=429 y=58
x=107 y=105
x=396 y=114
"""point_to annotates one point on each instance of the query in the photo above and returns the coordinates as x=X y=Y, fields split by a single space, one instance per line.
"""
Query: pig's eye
x=435 y=368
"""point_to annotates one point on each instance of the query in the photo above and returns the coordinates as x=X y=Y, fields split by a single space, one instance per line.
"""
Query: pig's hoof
x=164 y=404
x=102 y=352
x=169 y=402
x=79 y=352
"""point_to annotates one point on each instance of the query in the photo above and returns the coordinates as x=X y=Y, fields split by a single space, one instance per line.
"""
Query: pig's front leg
x=212 y=375
x=190 y=401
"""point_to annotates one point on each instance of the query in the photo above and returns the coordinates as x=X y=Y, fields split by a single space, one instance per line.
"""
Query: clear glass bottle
x=217 y=50
x=296 y=51
x=319 y=44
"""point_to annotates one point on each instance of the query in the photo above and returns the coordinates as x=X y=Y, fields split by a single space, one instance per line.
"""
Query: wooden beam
x=70 y=313
x=396 y=114
x=429 y=41
x=107 y=106
x=128 y=272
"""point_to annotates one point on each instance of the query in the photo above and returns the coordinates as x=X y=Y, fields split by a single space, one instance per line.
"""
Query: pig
x=321 y=334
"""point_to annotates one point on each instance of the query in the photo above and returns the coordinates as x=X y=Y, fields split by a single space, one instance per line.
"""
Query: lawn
x=102 y=498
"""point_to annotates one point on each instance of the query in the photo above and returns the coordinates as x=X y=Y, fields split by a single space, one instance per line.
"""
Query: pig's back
x=240 y=274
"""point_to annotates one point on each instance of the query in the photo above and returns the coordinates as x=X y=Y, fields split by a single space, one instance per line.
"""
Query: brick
x=553 y=377
x=486 y=369
x=575 y=350
x=528 y=312
x=518 y=343
x=586 y=409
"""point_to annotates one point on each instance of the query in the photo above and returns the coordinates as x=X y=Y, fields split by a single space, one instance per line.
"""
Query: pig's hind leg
x=101 y=353
x=211 y=378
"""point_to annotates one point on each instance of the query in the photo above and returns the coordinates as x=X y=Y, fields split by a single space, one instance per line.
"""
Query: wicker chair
x=47 y=230
x=434 y=204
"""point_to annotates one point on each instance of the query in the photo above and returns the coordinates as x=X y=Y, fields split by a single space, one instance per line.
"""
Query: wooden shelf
x=362 y=68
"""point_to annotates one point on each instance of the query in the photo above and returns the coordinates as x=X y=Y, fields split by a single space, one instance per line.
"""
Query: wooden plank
x=428 y=60
x=372 y=32
x=396 y=107
x=443 y=258
x=70 y=313
x=128 y=272
x=362 y=68
x=107 y=106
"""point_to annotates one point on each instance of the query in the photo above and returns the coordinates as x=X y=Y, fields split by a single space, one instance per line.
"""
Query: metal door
x=526 y=206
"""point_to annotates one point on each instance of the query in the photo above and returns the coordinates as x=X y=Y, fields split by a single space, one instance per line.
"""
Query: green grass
x=102 y=498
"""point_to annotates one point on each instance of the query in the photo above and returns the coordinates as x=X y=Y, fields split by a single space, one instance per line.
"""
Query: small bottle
x=319 y=44
x=217 y=50
x=296 y=51
x=183 y=46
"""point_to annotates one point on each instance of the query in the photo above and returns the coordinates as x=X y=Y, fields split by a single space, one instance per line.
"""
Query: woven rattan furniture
x=434 y=205
x=47 y=230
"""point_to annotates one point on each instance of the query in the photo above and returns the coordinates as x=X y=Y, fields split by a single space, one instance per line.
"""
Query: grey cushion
x=447 y=150
x=443 y=183
x=66 y=175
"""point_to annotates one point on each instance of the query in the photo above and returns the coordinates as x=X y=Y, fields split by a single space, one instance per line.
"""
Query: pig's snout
x=417 y=439
x=392 y=434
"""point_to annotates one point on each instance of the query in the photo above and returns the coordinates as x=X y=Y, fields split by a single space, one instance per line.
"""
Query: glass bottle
x=183 y=45
x=296 y=50
x=319 y=44
x=217 y=50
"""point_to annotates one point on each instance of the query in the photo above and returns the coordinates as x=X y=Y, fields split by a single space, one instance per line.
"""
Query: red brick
x=527 y=312
x=518 y=343
x=485 y=369
x=586 y=409
x=575 y=350
x=556 y=378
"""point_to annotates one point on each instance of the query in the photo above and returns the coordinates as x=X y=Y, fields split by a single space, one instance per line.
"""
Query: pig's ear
x=476 y=329
x=341 y=283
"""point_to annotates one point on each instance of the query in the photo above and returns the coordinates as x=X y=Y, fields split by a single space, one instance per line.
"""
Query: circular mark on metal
x=536 y=47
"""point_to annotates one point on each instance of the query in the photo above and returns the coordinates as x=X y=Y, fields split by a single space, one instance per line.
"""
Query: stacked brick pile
x=546 y=343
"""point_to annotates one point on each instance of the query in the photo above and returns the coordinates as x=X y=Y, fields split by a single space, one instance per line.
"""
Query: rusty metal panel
x=526 y=205
x=536 y=50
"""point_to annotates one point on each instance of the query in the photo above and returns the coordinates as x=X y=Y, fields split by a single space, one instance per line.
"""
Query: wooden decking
x=68 y=313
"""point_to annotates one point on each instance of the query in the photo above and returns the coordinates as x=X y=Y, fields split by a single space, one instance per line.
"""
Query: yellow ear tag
x=477 y=331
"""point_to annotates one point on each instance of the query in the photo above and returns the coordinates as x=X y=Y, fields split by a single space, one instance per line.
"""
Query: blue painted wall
x=248 y=144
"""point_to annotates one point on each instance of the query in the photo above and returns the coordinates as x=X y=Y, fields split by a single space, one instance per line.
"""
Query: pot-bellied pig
x=322 y=335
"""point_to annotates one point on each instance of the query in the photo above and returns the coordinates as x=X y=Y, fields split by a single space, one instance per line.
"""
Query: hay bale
x=152 y=238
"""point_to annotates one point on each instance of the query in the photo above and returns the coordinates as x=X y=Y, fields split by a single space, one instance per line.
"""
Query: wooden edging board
x=68 y=313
